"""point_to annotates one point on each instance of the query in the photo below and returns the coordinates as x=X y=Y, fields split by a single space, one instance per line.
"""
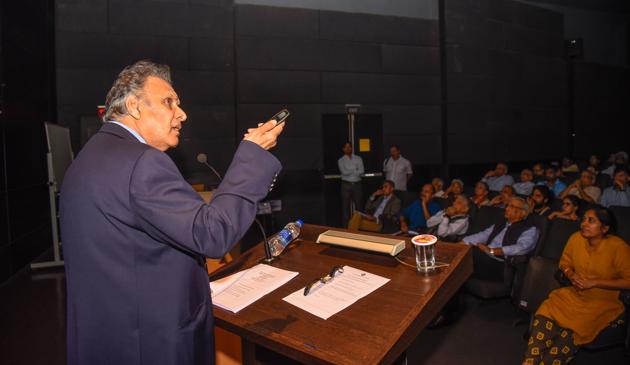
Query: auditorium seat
x=442 y=202
x=557 y=235
x=485 y=217
x=622 y=215
x=603 y=181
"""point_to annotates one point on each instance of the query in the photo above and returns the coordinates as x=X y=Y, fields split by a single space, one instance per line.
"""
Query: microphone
x=203 y=159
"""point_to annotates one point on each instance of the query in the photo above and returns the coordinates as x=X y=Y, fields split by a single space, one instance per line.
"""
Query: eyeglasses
x=335 y=271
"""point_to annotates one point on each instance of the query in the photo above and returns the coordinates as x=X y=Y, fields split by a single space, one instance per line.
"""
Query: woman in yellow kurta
x=598 y=265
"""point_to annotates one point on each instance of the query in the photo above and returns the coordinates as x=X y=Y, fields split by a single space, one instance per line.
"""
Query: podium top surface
x=374 y=330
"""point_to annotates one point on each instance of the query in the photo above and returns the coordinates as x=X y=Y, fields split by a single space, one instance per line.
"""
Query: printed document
x=239 y=290
x=324 y=300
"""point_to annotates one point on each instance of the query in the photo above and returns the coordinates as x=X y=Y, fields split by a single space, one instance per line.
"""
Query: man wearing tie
x=136 y=234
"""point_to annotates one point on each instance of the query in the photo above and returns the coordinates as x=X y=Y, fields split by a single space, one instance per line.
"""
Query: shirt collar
x=133 y=132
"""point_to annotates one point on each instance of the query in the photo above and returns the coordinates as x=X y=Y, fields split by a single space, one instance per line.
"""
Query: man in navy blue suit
x=136 y=234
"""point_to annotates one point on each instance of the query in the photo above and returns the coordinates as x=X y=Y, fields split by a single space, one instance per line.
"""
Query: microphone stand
x=268 y=256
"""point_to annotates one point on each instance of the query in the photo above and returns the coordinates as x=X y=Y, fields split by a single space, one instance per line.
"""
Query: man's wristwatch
x=492 y=251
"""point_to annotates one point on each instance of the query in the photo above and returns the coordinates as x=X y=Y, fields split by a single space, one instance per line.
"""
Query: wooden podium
x=375 y=330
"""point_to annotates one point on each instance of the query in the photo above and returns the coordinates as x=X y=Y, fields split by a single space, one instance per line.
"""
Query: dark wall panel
x=278 y=87
x=384 y=88
x=265 y=21
x=379 y=29
x=600 y=109
x=101 y=50
x=81 y=15
x=411 y=60
x=169 y=19
x=505 y=68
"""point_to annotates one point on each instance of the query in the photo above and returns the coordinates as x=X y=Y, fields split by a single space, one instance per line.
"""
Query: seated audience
x=454 y=190
x=498 y=178
x=414 y=217
x=504 y=197
x=618 y=194
x=539 y=172
x=584 y=188
x=568 y=166
x=598 y=266
x=552 y=181
x=381 y=205
x=524 y=187
x=570 y=206
x=594 y=164
x=480 y=197
x=618 y=159
x=516 y=236
x=539 y=200
x=452 y=221
x=438 y=187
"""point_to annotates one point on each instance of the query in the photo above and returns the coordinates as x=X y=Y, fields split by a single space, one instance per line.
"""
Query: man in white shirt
x=397 y=168
x=525 y=186
x=451 y=222
x=584 y=188
x=351 y=168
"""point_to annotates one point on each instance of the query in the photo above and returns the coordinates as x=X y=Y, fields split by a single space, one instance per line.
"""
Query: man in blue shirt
x=414 y=217
x=498 y=178
x=618 y=194
x=552 y=182
x=351 y=169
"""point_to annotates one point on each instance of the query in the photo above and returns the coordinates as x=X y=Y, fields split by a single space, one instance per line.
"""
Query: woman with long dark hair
x=598 y=265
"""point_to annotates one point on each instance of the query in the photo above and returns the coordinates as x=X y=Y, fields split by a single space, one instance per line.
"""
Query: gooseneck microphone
x=203 y=159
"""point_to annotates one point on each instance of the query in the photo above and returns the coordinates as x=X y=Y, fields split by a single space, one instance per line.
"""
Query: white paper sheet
x=324 y=300
x=239 y=290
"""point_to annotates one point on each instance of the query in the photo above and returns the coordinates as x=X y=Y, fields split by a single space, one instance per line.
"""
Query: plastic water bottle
x=280 y=240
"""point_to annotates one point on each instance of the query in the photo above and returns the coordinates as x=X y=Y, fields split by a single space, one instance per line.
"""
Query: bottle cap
x=299 y=222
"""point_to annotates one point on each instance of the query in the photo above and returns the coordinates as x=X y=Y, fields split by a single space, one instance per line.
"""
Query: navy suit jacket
x=133 y=233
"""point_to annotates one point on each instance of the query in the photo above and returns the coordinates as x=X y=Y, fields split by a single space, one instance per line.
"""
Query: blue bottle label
x=286 y=236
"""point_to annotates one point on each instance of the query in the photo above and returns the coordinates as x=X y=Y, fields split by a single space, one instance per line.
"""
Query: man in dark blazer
x=136 y=235
x=382 y=207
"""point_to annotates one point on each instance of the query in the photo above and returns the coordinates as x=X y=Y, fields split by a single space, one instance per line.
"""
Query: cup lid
x=424 y=240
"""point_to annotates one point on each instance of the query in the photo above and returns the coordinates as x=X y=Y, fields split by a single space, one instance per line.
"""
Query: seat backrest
x=541 y=223
x=603 y=181
x=622 y=215
x=485 y=217
x=539 y=281
x=558 y=233
x=556 y=205
x=442 y=202
x=406 y=197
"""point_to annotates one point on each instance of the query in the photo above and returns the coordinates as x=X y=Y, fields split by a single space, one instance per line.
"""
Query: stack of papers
x=324 y=300
x=239 y=290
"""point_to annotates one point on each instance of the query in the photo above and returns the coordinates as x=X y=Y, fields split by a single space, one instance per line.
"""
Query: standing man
x=397 y=168
x=136 y=234
x=351 y=168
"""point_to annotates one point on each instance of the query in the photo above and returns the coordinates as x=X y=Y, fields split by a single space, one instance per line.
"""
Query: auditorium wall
x=506 y=82
x=26 y=101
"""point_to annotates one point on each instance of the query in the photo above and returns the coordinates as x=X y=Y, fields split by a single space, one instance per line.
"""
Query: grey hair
x=525 y=206
x=130 y=81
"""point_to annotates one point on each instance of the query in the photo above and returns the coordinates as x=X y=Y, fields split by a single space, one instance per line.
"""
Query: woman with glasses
x=570 y=206
x=597 y=264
